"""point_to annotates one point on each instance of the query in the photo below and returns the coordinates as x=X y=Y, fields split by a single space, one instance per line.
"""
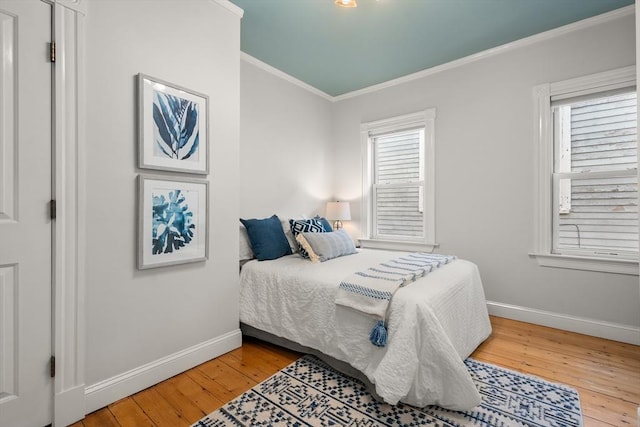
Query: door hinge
x=52 y=209
x=52 y=366
x=52 y=51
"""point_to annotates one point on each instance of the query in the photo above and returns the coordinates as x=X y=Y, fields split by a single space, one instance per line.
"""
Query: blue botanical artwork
x=176 y=132
x=172 y=226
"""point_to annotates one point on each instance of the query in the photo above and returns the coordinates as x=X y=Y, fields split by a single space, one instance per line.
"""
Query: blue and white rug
x=310 y=393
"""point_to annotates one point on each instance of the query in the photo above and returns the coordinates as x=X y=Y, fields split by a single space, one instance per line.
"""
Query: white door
x=26 y=392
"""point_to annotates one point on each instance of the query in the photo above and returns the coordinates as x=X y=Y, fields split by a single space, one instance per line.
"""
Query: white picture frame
x=173 y=218
x=173 y=127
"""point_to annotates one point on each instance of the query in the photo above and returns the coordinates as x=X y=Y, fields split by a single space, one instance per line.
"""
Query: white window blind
x=595 y=202
x=398 y=208
x=398 y=189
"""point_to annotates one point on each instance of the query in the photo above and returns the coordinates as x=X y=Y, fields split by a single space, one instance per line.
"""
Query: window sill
x=604 y=265
x=395 y=245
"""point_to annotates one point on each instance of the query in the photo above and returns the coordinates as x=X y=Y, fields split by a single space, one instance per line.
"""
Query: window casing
x=587 y=185
x=398 y=193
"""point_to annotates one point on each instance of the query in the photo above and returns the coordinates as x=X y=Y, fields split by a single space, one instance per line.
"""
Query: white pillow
x=246 y=252
x=289 y=235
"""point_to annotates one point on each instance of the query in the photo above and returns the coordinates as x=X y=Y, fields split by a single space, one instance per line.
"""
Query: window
x=587 y=183
x=398 y=191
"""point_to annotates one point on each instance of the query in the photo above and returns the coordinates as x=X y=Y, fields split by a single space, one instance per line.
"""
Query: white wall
x=147 y=322
x=285 y=147
x=484 y=166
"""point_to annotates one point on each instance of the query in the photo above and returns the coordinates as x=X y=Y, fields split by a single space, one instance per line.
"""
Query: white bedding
x=433 y=324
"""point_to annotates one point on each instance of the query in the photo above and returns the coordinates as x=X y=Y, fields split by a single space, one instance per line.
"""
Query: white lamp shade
x=338 y=211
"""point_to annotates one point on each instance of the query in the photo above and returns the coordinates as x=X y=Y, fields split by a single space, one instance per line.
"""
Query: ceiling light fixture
x=347 y=3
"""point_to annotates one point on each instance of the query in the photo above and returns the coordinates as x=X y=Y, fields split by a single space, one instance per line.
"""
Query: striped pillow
x=326 y=246
x=311 y=225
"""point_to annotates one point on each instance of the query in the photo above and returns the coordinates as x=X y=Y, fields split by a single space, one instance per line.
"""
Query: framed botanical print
x=173 y=221
x=173 y=127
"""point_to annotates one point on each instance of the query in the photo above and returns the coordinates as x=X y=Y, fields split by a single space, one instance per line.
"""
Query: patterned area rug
x=310 y=393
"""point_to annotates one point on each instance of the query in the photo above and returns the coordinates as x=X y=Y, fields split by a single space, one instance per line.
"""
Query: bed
x=434 y=323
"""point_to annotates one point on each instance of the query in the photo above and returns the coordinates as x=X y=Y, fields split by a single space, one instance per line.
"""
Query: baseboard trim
x=597 y=328
x=69 y=406
x=101 y=394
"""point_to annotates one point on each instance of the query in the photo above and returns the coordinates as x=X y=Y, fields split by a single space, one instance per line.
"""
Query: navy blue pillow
x=267 y=238
x=325 y=223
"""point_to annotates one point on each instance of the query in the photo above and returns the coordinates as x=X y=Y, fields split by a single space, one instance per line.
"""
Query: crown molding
x=527 y=41
x=268 y=68
x=536 y=38
x=226 y=4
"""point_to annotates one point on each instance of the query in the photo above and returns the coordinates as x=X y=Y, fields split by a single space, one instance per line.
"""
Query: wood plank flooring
x=605 y=373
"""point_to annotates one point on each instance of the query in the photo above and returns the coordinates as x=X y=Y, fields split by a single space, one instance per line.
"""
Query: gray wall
x=137 y=317
x=485 y=170
x=285 y=147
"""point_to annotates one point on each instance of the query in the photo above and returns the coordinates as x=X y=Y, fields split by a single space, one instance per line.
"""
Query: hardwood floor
x=605 y=373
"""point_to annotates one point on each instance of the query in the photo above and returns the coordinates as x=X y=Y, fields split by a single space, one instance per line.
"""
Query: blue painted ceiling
x=339 y=50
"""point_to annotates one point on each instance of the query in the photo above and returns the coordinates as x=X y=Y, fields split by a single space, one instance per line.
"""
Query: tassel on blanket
x=370 y=291
x=378 y=336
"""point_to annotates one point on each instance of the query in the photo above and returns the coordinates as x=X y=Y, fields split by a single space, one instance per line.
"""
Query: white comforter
x=433 y=324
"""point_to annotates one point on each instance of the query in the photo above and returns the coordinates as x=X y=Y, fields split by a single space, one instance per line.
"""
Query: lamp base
x=337 y=225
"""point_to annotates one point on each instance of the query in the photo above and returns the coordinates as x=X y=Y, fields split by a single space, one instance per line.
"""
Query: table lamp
x=338 y=212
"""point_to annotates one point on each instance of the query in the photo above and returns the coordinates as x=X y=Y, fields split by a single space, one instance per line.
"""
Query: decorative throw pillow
x=267 y=238
x=325 y=223
x=307 y=247
x=330 y=245
x=289 y=235
x=311 y=225
x=245 y=251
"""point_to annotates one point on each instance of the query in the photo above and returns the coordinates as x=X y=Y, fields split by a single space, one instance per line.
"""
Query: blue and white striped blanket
x=371 y=291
